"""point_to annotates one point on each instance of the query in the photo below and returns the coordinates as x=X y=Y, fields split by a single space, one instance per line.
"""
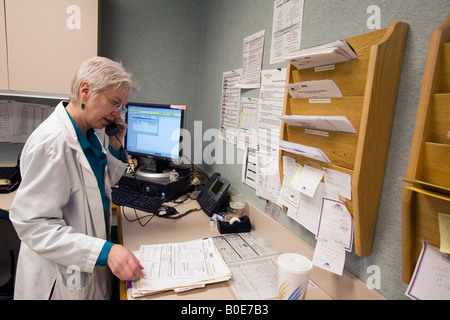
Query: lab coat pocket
x=72 y=284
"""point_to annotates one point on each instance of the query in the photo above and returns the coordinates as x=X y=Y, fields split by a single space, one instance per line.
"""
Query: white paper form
x=180 y=264
x=25 y=118
x=288 y=195
x=251 y=66
x=335 y=223
x=314 y=89
x=253 y=263
x=249 y=169
x=321 y=55
x=329 y=123
x=270 y=110
x=329 y=256
x=308 y=210
x=431 y=277
x=229 y=111
x=305 y=151
x=248 y=123
x=256 y=279
x=309 y=180
x=339 y=181
x=271 y=99
x=5 y=125
x=286 y=28
x=242 y=246
x=269 y=183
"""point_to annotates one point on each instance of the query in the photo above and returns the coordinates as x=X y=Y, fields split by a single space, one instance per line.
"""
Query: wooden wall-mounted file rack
x=369 y=88
x=427 y=190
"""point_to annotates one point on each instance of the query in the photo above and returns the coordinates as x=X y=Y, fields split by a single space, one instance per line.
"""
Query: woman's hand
x=116 y=143
x=124 y=264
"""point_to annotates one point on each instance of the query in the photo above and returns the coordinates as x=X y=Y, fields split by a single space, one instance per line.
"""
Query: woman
x=62 y=209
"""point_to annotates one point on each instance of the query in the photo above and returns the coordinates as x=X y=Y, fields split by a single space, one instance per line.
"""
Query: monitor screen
x=154 y=131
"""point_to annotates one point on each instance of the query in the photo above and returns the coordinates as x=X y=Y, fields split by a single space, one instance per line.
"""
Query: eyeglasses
x=117 y=107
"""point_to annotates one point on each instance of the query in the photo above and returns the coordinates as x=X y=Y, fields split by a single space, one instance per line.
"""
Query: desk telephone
x=213 y=194
x=112 y=129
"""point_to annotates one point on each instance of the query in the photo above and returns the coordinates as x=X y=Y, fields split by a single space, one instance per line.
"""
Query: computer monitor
x=154 y=131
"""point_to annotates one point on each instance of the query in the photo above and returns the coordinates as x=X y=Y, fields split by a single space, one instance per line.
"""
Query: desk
x=196 y=225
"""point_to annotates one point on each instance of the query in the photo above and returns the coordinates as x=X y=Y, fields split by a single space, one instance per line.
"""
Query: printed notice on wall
x=251 y=66
x=286 y=29
x=229 y=111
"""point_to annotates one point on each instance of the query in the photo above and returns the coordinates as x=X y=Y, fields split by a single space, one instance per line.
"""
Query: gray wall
x=179 y=49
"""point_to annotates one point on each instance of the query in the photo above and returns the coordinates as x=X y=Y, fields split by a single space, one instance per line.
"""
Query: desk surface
x=196 y=225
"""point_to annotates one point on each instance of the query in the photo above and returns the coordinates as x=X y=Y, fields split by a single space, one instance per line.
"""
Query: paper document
x=305 y=151
x=229 y=111
x=314 y=89
x=431 y=277
x=329 y=256
x=325 y=54
x=270 y=109
x=308 y=180
x=5 y=123
x=249 y=168
x=338 y=183
x=175 y=265
x=336 y=223
x=242 y=246
x=286 y=28
x=330 y=123
x=308 y=210
x=251 y=66
x=19 y=119
x=248 y=124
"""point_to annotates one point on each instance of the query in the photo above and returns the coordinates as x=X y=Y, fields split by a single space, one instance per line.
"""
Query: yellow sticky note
x=296 y=175
x=444 y=230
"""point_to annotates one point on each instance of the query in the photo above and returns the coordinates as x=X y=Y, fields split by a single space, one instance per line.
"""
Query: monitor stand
x=150 y=172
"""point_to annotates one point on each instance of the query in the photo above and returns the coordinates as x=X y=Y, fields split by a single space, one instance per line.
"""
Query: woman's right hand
x=124 y=264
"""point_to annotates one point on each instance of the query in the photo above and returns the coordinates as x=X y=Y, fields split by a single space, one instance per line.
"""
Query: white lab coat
x=58 y=214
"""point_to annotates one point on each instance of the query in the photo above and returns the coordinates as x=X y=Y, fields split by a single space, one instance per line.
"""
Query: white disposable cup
x=293 y=276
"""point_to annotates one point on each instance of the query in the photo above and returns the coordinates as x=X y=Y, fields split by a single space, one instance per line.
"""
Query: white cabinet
x=46 y=42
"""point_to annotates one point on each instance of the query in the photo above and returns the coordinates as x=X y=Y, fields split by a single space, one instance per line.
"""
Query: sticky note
x=444 y=230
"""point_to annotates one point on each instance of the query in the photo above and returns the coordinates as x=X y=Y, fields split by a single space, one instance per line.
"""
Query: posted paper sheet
x=251 y=67
x=229 y=111
x=431 y=277
x=286 y=28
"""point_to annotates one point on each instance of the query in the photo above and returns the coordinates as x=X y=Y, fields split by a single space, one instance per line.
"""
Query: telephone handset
x=213 y=194
x=112 y=129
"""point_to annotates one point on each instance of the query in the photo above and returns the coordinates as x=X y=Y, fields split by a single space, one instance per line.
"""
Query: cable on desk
x=170 y=213
x=137 y=217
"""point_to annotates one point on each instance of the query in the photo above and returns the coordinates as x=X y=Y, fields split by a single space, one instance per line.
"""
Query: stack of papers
x=325 y=54
x=305 y=151
x=179 y=266
x=330 y=123
x=314 y=89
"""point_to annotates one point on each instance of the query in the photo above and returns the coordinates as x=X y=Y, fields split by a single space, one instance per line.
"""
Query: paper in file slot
x=304 y=151
x=314 y=89
x=329 y=123
x=321 y=55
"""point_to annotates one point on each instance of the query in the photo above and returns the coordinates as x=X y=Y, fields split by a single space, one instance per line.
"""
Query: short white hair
x=102 y=74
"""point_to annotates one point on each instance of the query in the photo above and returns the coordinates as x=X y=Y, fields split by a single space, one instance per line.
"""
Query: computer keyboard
x=135 y=199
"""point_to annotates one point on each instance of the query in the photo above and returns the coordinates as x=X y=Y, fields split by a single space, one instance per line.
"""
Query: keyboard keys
x=134 y=199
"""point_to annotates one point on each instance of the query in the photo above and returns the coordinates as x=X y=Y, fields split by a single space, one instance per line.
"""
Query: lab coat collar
x=68 y=128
